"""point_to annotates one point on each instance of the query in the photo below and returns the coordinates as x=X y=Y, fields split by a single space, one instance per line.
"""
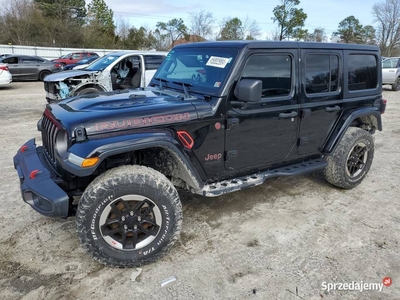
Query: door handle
x=332 y=108
x=292 y=114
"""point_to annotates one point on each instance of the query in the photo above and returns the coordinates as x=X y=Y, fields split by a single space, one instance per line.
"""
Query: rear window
x=322 y=73
x=362 y=72
x=152 y=62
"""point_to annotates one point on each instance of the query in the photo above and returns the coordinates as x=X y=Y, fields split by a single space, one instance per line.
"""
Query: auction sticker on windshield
x=219 y=62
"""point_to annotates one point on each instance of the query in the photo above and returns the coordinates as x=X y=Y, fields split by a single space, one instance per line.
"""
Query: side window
x=76 y=55
x=28 y=60
x=11 y=60
x=152 y=62
x=363 y=72
x=390 y=63
x=321 y=73
x=275 y=72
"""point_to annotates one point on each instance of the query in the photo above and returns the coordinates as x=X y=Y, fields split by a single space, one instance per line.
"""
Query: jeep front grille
x=49 y=134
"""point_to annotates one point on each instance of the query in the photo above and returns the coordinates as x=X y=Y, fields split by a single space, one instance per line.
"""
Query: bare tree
x=21 y=23
x=387 y=15
x=251 y=29
x=318 y=35
x=201 y=24
x=122 y=28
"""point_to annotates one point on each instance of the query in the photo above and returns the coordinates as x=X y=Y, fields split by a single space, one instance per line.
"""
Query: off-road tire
x=87 y=91
x=43 y=74
x=396 y=85
x=346 y=167
x=102 y=198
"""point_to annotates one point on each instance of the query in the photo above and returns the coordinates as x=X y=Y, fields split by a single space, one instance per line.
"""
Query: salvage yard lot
x=280 y=240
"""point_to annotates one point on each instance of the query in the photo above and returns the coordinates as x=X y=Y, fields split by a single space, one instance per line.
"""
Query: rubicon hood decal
x=140 y=122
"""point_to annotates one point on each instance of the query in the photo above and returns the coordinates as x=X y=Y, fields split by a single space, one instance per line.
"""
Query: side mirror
x=70 y=58
x=249 y=90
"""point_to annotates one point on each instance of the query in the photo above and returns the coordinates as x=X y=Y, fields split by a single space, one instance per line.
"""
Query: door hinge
x=231 y=123
x=302 y=141
x=305 y=113
x=230 y=154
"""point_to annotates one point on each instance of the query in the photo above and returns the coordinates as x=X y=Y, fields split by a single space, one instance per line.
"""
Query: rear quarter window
x=362 y=72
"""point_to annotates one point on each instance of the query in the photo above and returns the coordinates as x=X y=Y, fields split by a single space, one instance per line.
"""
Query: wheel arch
x=368 y=119
x=41 y=73
x=89 y=85
x=159 y=151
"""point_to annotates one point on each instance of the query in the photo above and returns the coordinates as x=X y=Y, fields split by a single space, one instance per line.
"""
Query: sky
x=320 y=13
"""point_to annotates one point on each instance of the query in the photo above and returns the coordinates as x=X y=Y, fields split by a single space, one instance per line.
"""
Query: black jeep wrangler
x=217 y=117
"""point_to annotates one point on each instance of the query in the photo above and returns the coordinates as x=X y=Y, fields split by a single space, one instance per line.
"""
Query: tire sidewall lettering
x=94 y=230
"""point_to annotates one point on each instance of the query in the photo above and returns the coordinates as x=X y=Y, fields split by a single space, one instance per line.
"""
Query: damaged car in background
x=115 y=71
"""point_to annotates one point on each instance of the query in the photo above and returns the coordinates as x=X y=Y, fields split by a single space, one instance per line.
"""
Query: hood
x=126 y=110
x=67 y=74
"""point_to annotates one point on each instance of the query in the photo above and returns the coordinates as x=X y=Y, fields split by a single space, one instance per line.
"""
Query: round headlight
x=61 y=142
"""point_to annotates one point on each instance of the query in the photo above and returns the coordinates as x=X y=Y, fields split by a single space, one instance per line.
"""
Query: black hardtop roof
x=279 y=44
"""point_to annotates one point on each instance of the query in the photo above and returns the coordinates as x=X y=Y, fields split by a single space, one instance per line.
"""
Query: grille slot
x=49 y=133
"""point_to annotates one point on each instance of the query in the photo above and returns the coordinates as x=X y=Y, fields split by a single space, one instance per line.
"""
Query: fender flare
x=109 y=146
x=344 y=123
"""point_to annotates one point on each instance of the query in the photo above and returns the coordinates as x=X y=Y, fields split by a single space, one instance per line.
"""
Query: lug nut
x=125 y=227
x=123 y=218
x=131 y=213
x=135 y=227
x=139 y=219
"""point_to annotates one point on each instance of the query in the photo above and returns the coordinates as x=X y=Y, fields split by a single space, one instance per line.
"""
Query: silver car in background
x=391 y=72
x=26 y=67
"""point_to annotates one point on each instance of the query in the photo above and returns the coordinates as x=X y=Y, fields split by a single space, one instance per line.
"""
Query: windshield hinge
x=80 y=134
x=231 y=123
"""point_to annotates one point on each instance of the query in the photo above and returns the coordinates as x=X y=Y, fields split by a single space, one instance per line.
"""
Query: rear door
x=259 y=134
x=29 y=67
x=321 y=97
x=389 y=70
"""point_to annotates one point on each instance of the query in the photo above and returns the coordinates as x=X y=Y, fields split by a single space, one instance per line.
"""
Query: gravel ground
x=281 y=240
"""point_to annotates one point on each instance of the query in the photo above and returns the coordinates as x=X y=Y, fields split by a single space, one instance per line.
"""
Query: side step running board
x=232 y=185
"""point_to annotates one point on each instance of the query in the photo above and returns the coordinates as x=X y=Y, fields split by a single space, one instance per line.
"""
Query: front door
x=259 y=134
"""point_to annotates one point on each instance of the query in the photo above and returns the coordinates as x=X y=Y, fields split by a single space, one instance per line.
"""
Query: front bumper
x=38 y=186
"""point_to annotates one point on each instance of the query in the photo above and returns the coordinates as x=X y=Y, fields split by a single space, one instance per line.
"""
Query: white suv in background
x=114 y=71
x=5 y=75
x=391 y=72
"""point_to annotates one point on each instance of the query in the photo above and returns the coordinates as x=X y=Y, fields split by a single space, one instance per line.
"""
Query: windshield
x=102 y=63
x=390 y=63
x=203 y=69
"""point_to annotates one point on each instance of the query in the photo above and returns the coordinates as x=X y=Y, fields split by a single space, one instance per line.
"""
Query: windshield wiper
x=185 y=86
x=161 y=80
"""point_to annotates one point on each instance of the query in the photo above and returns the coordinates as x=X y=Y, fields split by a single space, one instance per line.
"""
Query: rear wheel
x=396 y=85
x=43 y=74
x=351 y=160
x=129 y=216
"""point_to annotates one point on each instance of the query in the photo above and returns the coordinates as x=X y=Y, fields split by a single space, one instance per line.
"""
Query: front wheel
x=129 y=216
x=350 y=162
